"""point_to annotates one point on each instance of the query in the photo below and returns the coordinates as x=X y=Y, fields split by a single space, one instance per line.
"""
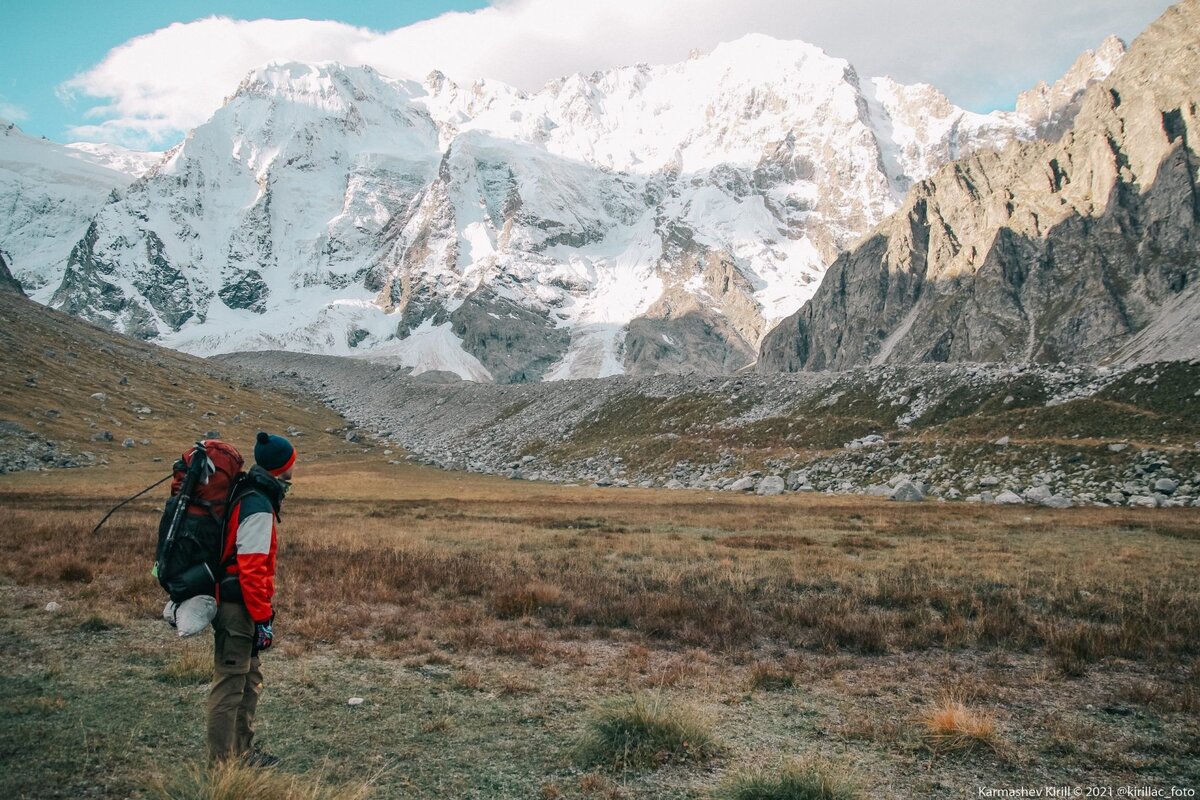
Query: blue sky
x=121 y=70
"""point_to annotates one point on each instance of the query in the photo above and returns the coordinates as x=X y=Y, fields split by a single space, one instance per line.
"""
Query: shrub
x=793 y=781
x=646 y=732
x=951 y=725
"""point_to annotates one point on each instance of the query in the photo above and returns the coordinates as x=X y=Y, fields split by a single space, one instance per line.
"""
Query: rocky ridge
x=1085 y=250
x=1053 y=436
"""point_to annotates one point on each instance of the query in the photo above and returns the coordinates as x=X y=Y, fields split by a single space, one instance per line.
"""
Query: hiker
x=242 y=627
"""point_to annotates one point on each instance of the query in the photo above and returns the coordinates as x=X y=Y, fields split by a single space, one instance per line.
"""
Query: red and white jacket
x=249 y=552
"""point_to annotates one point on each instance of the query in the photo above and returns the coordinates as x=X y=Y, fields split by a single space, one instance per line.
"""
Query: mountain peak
x=1052 y=107
x=763 y=50
x=319 y=81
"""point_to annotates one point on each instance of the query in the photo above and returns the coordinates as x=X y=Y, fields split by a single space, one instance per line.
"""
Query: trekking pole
x=130 y=500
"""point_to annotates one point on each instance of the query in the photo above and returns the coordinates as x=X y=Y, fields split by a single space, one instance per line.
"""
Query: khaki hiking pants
x=236 y=686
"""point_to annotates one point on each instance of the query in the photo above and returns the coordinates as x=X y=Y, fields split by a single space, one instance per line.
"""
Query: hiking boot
x=257 y=758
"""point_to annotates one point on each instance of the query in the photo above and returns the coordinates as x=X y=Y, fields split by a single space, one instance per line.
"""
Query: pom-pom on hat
x=274 y=453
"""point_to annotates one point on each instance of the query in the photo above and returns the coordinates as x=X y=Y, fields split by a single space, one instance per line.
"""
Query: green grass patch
x=645 y=732
x=792 y=781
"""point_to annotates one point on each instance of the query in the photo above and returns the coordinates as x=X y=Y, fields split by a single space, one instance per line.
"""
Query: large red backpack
x=189 y=562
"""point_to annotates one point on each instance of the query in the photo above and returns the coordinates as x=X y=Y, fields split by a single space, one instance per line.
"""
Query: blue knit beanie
x=273 y=453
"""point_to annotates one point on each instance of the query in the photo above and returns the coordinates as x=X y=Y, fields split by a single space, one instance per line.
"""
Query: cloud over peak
x=151 y=89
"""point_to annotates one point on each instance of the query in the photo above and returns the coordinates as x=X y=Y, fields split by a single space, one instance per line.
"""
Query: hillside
x=72 y=394
x=1082 y=435
x=1086 y=250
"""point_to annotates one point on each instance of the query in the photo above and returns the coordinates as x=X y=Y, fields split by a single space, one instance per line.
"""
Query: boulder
x=1057 y=501
x=770 y=486
x=1037 y=494
x=742 y=485
x=1007 y=498
x=1166 y=486
x=908 y=492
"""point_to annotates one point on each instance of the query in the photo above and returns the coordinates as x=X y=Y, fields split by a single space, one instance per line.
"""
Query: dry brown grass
x=412 y=561
x=234 y=781
x=952 y=726
x=769 y=676
x=193 y=665
x=524 y=596
x=52 y=364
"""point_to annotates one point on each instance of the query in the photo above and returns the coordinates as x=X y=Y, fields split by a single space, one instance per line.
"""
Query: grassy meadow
x=517 y=640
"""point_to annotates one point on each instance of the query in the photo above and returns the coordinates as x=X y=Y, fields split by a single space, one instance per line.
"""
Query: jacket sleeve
x=256 y=562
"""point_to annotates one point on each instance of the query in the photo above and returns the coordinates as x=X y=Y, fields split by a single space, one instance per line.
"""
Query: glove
x=263 y=635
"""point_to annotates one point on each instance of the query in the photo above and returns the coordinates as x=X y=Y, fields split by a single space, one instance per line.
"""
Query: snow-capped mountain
x=48 y=193
x=643 y=219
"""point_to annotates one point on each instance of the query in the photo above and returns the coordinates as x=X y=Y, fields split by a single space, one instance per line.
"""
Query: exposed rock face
x=7 y=282
x=518 y=345
x=1040 y=252
x=48 y=194
x=1053 y=108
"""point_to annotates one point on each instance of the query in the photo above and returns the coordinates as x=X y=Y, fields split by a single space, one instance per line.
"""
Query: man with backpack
x=242 y=627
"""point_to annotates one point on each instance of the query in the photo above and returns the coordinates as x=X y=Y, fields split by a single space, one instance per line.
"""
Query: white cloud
x=10 y=112
x=981 y=53
x=168 y=81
